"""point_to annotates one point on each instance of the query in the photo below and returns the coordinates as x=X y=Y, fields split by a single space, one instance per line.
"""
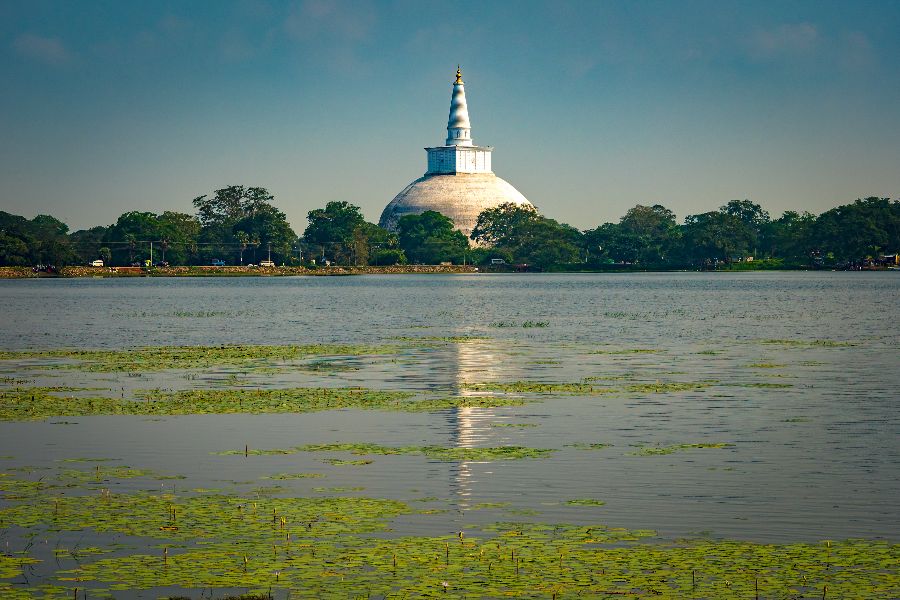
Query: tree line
x=241 y=225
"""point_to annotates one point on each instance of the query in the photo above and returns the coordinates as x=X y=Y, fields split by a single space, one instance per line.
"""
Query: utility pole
x=151 y=253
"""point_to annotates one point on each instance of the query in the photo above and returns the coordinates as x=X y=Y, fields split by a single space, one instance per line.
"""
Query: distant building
x=459 y=182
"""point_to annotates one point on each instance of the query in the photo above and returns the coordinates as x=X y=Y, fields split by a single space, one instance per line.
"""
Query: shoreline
x=232 y=271
x=332 y=271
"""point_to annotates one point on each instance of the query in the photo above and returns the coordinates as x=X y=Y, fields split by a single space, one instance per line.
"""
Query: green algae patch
x=285 y=400
x=516 y=324
x=207 y=516
x=257 y=452
x=289 y=476
x=489 y=505
x=347 y=462
x=450 y=402
x=628 y=351
x=586 y=388
x=163 y=358
x=41 y=403
x=38 y=403
x=761 y=385
x=452 y=339
x=585 y=446
x=434 y=452
x=662 y=450
x=442 y=453
x=11 y=566
x=342 y=547
x=664 y=388
x=12 y=488
x=585 y=502
x=104 y=473
x=810 y=343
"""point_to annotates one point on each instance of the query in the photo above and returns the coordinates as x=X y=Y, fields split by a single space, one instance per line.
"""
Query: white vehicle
x=267 y=263
x=97 y=263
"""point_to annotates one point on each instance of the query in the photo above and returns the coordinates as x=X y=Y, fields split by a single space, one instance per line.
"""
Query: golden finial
x=458 y=75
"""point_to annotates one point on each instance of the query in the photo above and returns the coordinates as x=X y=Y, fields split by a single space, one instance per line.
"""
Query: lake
x=760 y=407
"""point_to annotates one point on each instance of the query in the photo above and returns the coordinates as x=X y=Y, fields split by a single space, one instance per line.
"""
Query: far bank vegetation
x=241 y=226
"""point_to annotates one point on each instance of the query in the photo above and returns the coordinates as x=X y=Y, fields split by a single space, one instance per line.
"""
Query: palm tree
x=243 y=240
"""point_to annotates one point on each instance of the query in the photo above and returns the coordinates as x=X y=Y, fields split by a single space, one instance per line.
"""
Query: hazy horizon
x=592 y=108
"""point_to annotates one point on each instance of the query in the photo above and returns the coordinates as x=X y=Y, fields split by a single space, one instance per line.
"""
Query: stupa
x=459 y=182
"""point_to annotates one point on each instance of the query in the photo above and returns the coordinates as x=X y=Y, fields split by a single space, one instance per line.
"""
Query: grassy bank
x=205 y=271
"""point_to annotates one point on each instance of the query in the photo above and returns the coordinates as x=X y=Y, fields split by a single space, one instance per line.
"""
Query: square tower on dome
x=450 y=160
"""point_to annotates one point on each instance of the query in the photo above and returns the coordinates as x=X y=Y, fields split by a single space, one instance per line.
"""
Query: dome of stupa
x=459 y=182
x=461 y=196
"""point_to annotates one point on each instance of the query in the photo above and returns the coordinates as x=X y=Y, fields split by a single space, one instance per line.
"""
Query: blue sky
x=592 y=107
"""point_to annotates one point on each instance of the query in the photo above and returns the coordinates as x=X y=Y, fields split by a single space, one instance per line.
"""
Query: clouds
x=347 y=21
x=48 y=50
x=333 y=34
x=855 y=52
x=850 y=51
x=785 y=40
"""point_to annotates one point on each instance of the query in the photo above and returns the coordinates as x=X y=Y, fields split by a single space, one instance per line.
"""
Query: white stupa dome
x=459 y=182
x=462 y=197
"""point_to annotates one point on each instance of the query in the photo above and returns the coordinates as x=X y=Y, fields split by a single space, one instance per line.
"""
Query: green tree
x=230 y=204
x=14 y=251
x=52 y=244
x=546 y=242
x=179 y=233
x=134 y=226
x=714 y=236
x=43 y=239
x=753 y=217
x=235 y=209
x=602 y=243
x=331 y=230
x=645 y=235
x=174 y=237
x=855 y=231
x=18 y=245
x=790 y=237
x=528 y=236
x=375 y=245
x=87 y=243
x=267 y=227
x=501 y=226
x=431 y=238
x=383 y=245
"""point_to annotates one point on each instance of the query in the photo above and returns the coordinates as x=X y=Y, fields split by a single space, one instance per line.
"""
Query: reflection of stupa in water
x=476 y=361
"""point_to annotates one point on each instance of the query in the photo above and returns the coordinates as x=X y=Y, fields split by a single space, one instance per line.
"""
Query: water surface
x=815 y=459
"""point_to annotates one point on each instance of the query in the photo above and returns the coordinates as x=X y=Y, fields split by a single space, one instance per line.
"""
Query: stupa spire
x=459 y=130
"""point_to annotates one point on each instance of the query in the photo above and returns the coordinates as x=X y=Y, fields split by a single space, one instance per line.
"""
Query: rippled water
x=818 y=459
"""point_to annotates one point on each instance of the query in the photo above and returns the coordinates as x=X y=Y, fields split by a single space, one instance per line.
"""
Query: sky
x=592 y=107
